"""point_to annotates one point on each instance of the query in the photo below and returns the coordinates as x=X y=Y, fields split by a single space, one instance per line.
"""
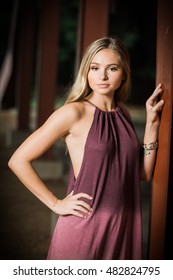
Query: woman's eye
x=94 y=68
x=113 y=69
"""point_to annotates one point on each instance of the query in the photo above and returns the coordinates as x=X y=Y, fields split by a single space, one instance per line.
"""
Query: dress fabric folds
x=110 y=174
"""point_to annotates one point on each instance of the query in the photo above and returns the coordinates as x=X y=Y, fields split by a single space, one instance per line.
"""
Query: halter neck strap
x=95 y=106
x=90 y=103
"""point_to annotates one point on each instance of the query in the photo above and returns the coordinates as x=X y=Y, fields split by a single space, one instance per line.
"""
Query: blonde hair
x=81 y=89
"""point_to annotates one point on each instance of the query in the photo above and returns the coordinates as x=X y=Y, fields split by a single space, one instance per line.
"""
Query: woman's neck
x=104 y=102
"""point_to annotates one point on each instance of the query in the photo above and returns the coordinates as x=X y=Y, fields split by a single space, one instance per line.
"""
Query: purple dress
x=110 y=174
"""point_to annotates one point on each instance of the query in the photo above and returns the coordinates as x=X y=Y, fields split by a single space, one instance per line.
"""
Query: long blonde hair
x=81 y=89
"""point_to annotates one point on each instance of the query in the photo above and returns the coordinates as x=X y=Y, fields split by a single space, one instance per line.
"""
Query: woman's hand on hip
x=73 y=205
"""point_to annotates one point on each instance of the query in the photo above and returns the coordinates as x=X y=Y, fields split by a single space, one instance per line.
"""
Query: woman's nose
x=103 y=75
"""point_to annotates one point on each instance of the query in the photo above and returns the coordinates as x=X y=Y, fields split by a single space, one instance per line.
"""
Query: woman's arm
x=58 y=124
x=153 y=109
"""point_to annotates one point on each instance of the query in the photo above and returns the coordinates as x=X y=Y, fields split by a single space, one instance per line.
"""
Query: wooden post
x=163 y=169
x=93 y=23
x=25 y=63
x=48 y=59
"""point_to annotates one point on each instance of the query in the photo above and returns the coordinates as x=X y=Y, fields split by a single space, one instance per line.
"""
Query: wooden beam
x=162 y=169
x=48 y=59
x=25 y=64
x=93 y=23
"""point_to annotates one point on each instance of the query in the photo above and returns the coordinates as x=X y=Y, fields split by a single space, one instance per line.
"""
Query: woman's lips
x=102 y=85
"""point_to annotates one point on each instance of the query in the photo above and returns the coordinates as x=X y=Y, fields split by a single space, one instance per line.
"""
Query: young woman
x=100 y=218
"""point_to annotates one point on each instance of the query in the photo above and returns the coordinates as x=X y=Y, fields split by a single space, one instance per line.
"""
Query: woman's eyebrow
x=111 y=64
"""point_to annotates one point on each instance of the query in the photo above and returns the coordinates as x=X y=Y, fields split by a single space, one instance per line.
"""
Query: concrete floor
x=26 y=224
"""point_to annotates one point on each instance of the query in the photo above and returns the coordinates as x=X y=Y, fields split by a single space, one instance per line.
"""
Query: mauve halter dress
x=110 y=174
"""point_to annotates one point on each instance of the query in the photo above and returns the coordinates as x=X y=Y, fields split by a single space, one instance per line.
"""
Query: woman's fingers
x=152 y=100
x=83 y=195
x=79 y=214
x=158 y=106
x=152 y=103
x=74 y=205
x=154 y=106
x=82 y=209
x=83 y=204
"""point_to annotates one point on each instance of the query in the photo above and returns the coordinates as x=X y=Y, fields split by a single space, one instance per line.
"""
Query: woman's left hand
x=154 y=107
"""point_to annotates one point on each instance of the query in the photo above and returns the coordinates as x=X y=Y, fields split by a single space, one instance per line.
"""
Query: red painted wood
x=48 y=59
x=25 y=64
x=93 y=23
x=162 y=168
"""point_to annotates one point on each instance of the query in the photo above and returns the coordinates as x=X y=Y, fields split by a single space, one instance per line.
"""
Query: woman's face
x=105 y=73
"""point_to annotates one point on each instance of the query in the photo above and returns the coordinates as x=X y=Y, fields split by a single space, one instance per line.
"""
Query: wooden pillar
x=93 y=23
x=168 y=250
x=25 y=63
x=48 y=59
x=163 y=171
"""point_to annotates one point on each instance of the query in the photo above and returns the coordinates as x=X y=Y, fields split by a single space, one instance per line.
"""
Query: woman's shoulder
x=64 y=118
x=73 y=110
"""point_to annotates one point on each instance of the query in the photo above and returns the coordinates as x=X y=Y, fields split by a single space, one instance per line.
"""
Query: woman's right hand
x=73 y=205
